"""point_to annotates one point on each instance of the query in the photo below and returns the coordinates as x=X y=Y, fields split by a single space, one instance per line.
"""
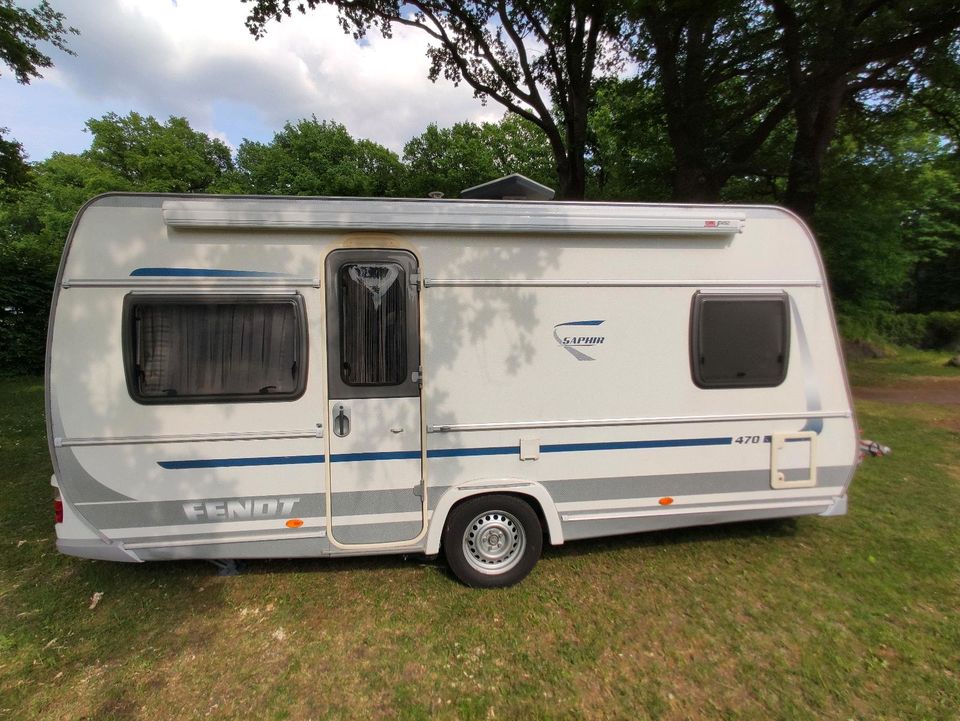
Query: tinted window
x=373 y=336
x=206 y=349
x=739 y=341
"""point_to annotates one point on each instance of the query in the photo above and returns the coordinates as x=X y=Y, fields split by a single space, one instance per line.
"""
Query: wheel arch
x=530 y=491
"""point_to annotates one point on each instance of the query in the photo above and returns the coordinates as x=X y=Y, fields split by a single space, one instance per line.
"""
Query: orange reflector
x=666 y=501
x=294 y=523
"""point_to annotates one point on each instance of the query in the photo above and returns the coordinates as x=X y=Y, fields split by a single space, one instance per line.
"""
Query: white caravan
x=237 y=377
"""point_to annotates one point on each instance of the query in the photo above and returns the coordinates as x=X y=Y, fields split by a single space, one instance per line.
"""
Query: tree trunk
x=695 y=183
x=816 y=113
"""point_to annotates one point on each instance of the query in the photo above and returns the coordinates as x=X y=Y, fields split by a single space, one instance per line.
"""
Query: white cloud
x=196 y=58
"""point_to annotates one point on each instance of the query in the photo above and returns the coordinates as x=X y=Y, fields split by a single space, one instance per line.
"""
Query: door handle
x=341 y=421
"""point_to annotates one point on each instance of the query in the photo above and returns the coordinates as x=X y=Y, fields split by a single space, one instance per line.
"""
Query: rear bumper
x=838 y=507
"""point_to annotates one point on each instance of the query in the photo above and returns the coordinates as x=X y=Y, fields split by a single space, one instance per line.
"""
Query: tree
x=630 y=153
x=837 y=54
x=152 y=156
x=311 y=157
x=41 y=212
x=452 y=159
x=537 y=59
x=711 y=65
x=14 y=170
x=20 y=32
x=881 y=213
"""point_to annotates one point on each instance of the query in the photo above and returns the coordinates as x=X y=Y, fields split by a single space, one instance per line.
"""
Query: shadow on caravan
x=254 y=377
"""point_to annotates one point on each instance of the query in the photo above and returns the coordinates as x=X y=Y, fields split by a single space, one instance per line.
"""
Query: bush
x=930 y=331
x=27 y=275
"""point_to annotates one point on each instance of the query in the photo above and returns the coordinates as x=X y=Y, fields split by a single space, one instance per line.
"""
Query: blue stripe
x=236 y=462
x=629 y=445
x=459 y=452
x=203 y=273
x=440 y=453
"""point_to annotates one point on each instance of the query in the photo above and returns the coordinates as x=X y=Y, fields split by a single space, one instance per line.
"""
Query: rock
x=953 y=362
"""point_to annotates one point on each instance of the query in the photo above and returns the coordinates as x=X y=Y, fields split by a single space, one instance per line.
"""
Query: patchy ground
x=934 y=390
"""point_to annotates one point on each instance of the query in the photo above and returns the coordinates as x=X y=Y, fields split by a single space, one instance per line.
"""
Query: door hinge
x=417 y=376
x=415 y=281
x=418 y=490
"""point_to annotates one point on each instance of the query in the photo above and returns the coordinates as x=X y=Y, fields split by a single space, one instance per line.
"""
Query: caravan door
x=373 y=414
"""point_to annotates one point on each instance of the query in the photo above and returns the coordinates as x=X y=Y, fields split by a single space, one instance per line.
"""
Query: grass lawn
x=818 y=618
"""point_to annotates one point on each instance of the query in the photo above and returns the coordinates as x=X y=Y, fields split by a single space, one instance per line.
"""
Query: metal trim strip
x=671 y=511
x=216 y=540
x=189 y=438
x=589 y=283
x=662 y=420
x=191 y=282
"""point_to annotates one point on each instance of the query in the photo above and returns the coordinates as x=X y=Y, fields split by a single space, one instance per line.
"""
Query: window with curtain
x=205 y=349
x=740 y=340
x=373 y=337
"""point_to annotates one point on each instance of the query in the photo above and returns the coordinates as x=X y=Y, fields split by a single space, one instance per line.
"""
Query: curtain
x=217 y=349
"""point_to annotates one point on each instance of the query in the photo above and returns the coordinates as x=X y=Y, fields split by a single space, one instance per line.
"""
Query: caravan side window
x=196 y=349
x=739 y=341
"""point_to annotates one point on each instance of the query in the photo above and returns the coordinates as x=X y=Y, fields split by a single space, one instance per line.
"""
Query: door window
x=372 y=324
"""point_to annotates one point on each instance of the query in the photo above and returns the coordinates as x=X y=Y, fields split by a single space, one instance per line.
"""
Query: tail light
x=58 y=510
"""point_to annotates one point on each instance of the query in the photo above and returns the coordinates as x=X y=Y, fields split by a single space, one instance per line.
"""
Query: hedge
x=931 y=331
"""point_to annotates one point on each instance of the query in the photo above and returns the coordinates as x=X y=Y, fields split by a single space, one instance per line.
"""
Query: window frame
x=338 y=389
x=695 y=339
x=129 y=338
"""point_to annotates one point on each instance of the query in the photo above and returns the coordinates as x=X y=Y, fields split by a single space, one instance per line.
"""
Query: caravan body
x=276 y=377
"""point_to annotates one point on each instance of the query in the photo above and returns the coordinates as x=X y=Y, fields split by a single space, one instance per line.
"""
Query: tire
x=492 y=541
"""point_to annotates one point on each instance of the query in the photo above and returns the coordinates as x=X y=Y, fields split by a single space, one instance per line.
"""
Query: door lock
x=341 y=421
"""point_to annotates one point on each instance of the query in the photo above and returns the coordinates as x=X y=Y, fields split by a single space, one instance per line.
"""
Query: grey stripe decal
x=133 y=514
x=78 y=485
x=379 y=533
x=598 y=489
x=811 y=390
x=575 y=530
x=171 y=513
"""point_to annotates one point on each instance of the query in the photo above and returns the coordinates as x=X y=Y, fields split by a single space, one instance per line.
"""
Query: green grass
x=818 y=618
x=900 y=366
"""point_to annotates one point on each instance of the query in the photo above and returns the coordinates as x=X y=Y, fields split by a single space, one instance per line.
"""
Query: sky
x=196 y=58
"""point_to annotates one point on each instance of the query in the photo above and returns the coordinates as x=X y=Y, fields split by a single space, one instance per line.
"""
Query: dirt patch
x=920 y=389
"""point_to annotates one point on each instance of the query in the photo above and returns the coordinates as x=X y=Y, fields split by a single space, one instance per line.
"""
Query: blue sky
x=195 y=58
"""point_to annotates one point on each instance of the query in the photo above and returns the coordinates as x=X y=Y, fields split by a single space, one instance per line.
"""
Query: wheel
x=492 y=541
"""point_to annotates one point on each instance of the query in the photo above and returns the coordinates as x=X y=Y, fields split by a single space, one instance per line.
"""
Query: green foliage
x=881 y=210
x=20 y=32
x=41 y=212
x=630 y=152
x=452 y=159
x=27 y=273
x=930 y=331
x=14 y=170
x=158 y=157
x=127 y=153
x=311 y=157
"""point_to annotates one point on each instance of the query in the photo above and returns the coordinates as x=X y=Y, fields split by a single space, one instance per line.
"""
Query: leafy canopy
x=21 y=32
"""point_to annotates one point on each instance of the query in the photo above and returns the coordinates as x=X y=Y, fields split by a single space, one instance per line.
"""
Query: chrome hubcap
x=494 y=542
